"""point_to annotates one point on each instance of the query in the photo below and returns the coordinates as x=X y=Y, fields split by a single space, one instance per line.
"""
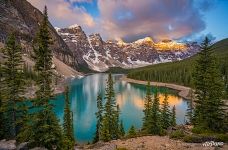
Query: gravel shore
x=183 y=90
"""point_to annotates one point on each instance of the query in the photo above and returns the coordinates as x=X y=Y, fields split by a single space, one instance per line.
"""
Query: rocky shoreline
x=149 y=143
x=138 y=143
x=183 y=90
x=57 y=89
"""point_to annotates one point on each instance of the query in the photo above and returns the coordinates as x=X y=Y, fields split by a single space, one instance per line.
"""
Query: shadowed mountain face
x=101 y=55
x=20 y=17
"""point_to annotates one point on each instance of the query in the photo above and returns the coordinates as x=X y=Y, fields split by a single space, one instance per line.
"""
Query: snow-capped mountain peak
x=120 y=42
x=100 y=55
x=145 y=40
x=57 y=29
x=74 y=26
x=170 y=44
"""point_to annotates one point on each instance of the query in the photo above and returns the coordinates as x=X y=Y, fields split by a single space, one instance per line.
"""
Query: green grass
x=178 y=134
x=199 y=138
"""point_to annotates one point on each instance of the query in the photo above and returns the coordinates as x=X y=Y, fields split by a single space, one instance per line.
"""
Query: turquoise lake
x=130 y=97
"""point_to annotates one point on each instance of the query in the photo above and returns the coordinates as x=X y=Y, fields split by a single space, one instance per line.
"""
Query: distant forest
x=180 y=72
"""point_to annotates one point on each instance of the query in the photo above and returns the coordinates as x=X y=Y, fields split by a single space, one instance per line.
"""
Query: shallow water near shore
x=130 y=97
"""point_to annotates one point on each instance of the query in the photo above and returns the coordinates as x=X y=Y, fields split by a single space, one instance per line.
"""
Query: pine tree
x=209 y=111
x=122 y=132
x=68 y=122
x=165 y=113
x=13 y=90
x=116 y=128
x=155 y=119
x=110 y=123
x=147 y=109
x=105 y=130
x=99 y=116
x=45 y=128
x=132 y=132
x=173 y=116
x=2 y=124
x=189 y=113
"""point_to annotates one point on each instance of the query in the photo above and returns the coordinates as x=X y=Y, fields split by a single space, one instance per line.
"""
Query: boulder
x=8 y=145
x=23 y=146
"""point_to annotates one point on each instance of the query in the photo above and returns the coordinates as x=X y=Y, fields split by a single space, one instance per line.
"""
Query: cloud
x=62 y=14
x=205 y=5
x=131 y=19
x=160 y=19
x=80 y=1
x=199 y=37
x=210 y=36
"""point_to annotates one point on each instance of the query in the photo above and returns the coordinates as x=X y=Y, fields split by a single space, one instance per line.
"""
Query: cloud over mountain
x=160 y=19
x=130 y=19
x=62 y=13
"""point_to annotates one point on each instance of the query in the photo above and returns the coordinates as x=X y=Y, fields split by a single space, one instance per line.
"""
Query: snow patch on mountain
x=74 y=26
x=144 y=40
x=100 y=55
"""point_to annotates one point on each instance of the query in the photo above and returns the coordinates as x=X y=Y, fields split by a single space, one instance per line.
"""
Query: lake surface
x=130 y=97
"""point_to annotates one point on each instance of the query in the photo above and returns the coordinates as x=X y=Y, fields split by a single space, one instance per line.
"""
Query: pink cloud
x=81 y=1
x=62 y=14
x=130 y=19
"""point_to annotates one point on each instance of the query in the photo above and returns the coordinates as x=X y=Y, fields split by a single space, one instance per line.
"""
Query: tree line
x=207 y=75
x=181 y=72
x=157 y=119
x=109 y=126
x=210 y=112
x=34 y=120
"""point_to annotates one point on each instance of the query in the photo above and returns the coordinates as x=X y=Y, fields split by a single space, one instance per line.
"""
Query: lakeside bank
x=184 y=91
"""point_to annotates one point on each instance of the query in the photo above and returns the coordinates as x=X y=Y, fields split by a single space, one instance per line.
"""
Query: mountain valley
x=101 y=55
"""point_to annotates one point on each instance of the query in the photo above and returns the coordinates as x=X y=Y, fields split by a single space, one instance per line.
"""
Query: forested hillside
x=180 y=72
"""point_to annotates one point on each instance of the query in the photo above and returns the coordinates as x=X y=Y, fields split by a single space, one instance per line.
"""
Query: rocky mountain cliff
x=20 y=17
x=79 y=51
x=100 y=55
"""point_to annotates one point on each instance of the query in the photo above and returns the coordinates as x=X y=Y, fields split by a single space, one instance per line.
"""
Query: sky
x=129 y=20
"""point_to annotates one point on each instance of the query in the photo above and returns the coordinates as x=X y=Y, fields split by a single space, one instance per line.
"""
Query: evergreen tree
x=132 y=132
x=45 y=128
x=165 y=113
x=155 y=119
x=117 y=123
x=173 y=116
x=68 y=122
x=189 y=113
x=13 y=90
x=147 y=109
x=2 y=126
x=225 y=73
x=105 y=130
x=209 y=111
x=99 y=116
x=122 y=132
x=110 y=123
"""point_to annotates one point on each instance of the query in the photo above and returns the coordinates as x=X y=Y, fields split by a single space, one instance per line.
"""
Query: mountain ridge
x=101 y=55
x=181 y=72
x=20 y=17
x=86 y=53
